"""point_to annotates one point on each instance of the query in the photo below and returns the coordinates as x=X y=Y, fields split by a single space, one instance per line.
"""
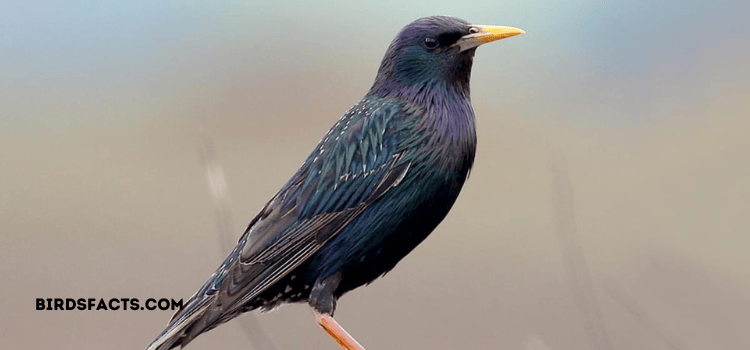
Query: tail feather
x=209 y=307
x=200 y=315
x=181 y=328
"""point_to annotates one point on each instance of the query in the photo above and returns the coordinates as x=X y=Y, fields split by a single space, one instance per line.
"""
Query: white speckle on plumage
x=271 y=307
x=288 y=289
x=292 y=277
x=362 y=259
x=307 y=286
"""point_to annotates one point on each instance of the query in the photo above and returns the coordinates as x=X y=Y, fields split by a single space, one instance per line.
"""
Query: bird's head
x=432 y=52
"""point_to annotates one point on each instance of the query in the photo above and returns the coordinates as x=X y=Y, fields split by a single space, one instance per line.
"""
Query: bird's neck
x=451 y=118
x=445 y=98
x=447 y=106
x=424 y=83
x=446 y=122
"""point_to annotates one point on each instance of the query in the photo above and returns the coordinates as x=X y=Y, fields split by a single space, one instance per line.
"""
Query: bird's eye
x=473 y=30
x=430 y=43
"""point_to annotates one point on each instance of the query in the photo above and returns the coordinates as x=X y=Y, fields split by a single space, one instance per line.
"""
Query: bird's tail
x=184 y=325
x=202 y=313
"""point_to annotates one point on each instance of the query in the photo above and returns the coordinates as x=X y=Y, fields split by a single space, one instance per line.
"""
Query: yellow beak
x=485 y=34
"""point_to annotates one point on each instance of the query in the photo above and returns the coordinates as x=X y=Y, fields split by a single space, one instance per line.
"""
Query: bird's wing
x=357 y=162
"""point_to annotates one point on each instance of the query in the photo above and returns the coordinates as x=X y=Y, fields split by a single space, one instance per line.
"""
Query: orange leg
x=338 y=333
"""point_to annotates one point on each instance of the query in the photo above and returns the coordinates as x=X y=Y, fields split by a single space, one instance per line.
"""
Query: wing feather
x=349 y=170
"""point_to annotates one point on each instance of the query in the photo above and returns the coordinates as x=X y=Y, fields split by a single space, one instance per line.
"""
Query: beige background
x=103 y=192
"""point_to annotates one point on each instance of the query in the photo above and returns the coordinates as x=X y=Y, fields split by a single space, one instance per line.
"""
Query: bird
x=376 y=185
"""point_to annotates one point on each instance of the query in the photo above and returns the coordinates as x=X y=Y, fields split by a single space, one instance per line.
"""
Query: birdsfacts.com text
x=107 y=304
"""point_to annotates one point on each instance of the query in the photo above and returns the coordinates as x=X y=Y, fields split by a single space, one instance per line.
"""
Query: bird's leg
x=338 y=333
x=323 y=302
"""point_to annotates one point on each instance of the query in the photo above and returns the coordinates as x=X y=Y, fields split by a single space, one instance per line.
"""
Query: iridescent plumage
x=376 y=185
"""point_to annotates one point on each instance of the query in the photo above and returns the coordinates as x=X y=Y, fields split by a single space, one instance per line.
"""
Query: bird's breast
x=445 y=138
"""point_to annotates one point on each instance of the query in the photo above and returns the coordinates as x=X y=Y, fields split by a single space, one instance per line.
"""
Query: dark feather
x=354 y=165
x=382 y=178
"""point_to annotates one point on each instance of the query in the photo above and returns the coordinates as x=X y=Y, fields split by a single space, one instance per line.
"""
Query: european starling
x=382 y=178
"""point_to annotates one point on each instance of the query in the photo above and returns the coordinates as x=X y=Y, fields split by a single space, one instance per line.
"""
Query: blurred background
x=607 y=209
